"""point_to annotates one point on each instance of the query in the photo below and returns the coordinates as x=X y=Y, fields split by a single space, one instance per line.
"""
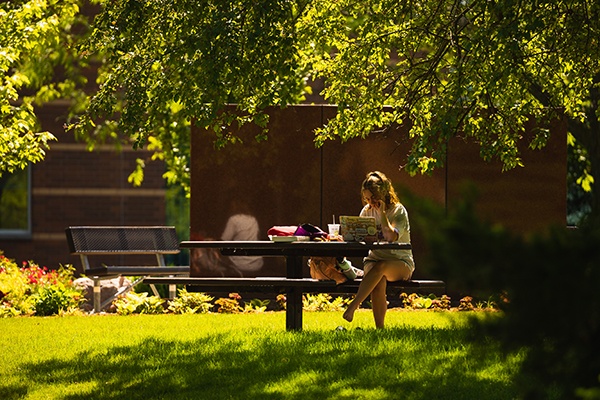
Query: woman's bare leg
x=369 y=281
x=387 y=270
x=379 y=303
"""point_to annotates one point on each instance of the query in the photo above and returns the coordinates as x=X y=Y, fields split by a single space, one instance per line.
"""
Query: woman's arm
x=389 y=231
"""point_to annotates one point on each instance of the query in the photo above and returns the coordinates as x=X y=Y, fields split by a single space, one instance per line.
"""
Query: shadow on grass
x=393 y=364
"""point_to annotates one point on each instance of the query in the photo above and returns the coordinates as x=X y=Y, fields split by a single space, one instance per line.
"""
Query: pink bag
x=282 y=231
x=312 y=231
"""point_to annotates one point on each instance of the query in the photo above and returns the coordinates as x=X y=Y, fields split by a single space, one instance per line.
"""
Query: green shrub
x=34 y=290
x=323 y=302
x=190 y=303
x=139 y=303
x=256 y=306
x=55 y=299
x=547 y=285
x=417 y=302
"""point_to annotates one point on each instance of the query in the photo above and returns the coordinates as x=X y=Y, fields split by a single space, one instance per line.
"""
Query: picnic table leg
x=293 y=314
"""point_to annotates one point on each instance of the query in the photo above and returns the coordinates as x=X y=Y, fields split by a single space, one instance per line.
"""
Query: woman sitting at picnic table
x=380 y=266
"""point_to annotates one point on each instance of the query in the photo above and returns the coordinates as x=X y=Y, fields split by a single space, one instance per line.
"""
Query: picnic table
x=293 y=283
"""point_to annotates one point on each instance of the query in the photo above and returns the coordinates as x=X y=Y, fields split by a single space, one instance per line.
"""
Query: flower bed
x=34 y=290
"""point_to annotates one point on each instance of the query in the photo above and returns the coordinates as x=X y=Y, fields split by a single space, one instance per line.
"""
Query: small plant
x=139 y=303
x=490 y=304
x=256 y=306
x=415 y=301
x=190 y=303
x=466 y=304
x=422 y=303
x=442 y=303
x=56 y=299
x=323 y=302
x=281 y=301
x=230 y=305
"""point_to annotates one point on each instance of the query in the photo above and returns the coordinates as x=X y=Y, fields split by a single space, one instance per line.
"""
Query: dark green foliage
x=187 y=59
x=548 y=285
x=52 y=300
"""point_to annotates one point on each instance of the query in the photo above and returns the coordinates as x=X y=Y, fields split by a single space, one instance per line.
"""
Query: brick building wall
x=73 y=186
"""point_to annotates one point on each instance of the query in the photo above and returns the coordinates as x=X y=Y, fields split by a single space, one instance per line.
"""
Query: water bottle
x=347 y=269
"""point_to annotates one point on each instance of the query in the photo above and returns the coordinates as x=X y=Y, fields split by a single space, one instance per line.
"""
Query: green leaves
x=35 y=38
x=202 y=55
x=444 y=68
x=20 y=142
x=480 y=70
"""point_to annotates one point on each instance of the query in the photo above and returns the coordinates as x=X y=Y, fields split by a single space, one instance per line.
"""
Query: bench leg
x=154 y=291
x=121 y=291
x=172 y=291
x=96 y=296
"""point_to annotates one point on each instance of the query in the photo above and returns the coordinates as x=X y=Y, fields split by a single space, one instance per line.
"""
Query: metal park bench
x=87 y=241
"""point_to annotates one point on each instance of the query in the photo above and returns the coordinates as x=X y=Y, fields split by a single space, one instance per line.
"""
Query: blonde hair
x=380 y=186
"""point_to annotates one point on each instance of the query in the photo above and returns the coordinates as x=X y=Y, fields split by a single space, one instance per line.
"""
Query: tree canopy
x=38 y=64
x=478 y=69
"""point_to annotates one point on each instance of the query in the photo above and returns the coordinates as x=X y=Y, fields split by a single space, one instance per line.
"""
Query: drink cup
x=334 y=230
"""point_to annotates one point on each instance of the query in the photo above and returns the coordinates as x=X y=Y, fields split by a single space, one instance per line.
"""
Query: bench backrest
x=92 y=240
x=121 y=240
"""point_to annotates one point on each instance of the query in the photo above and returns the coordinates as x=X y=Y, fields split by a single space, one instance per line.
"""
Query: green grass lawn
x=420 y=355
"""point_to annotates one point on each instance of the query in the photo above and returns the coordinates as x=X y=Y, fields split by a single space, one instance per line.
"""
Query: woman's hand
x=378 y=205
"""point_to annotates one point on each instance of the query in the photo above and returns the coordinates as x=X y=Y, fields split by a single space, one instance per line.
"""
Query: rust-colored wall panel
x=523 y=199
x=279 y=179
x=345 y=166
x=276 y=181
x=286 y=181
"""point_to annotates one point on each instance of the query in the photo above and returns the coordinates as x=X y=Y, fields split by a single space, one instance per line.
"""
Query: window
x=15 y=204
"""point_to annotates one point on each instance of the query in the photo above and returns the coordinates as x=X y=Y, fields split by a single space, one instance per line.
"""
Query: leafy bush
x=323 y=302
x=418 y=302
x=34 y=290
x=54 y=299
x=256 y=306
x=190 y=303
x=139 y=303
x=230 y=305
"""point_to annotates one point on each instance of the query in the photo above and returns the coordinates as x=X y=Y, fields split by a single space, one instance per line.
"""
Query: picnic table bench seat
x=307 y=285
